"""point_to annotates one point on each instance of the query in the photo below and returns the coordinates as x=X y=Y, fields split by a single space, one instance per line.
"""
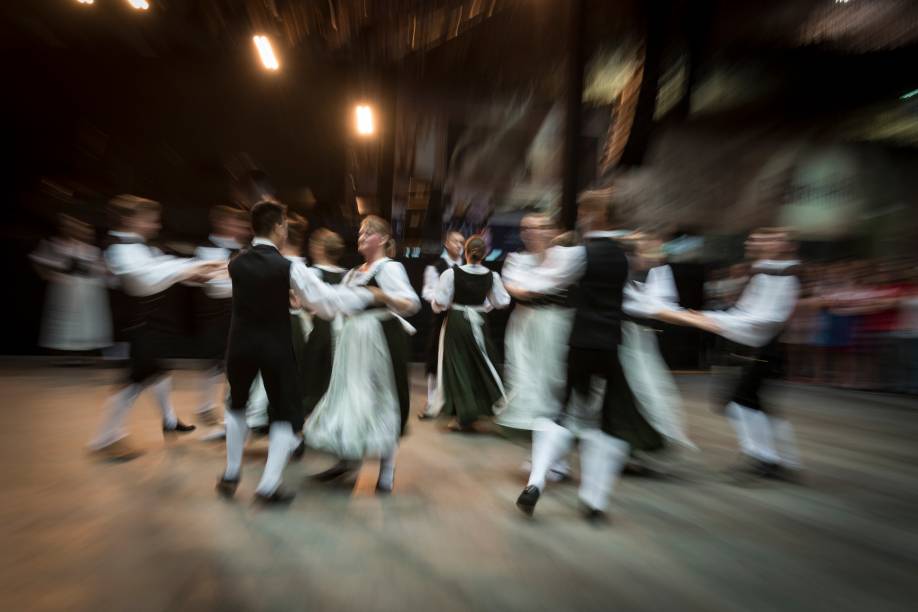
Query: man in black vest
x=213 y=302
x=753 y=325
x=260 y=340
x=449 y=258
x=144 y=275
x=600 y=409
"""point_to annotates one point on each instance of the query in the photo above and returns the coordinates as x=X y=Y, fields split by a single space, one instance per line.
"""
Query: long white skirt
x=359 y=414
x=652 y=383
x=76 y=316
x=536 y=364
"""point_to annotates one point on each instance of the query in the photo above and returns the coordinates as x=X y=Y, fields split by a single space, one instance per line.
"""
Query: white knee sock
x=119 y=405
x=162 y=388
x=601 y=460
x=387 y=470
x=281 y=442
x=256 y=411
x=737 y=416
x=210 y=380
x=431 y=389
x=550 y=442
x=236 y=432
x=786 y=441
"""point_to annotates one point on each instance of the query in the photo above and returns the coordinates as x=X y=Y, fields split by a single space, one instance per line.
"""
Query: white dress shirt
x=563 y=266
x=443 y=297
x=517 y=266
x=763 y=308
x=392 y=280
x=323 y=299
x=219 y=288
x=431 y=278
x=656 y=293
x=142 y=270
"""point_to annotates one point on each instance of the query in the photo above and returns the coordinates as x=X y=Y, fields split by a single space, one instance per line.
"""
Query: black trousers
x=620 y=415
x=271 y=354
x=149 y=349
x=757 y=366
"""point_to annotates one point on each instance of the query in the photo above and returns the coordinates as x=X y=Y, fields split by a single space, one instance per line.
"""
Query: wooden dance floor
x=151 y=535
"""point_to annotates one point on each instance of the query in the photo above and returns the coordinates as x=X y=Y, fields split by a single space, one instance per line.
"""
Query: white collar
x=452 y=262
x=132 y=236
x=774 y=264
x=607 y=234
x=475 y=268
x=296 y=258
x=257 y=240
x=224 y=242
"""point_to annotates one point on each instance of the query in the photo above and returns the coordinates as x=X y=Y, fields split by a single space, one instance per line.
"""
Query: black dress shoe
x=526 y=502
x=179 y=428
x=280 y=497
x=594 y=516
x=299 y=451
x=339 y=470
x=260 y=431
x=226 y=487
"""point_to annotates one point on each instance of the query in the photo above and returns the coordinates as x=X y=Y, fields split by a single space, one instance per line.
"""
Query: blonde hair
x=126 y=206
x=475 y=248
x=377 y=225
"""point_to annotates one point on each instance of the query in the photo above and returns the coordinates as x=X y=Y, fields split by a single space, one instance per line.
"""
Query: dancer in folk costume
x=76 y=316
x=753 y=326
x=213 y=303
x=144 y=275
x=261 y=341
x=600 y=409
x=325 y=250
x=449 y=258
x=651 y=287
x=364 y=411
x=469 y=384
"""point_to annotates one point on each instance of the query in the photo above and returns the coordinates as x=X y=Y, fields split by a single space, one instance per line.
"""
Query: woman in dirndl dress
x=364 y=411
x=469 y=384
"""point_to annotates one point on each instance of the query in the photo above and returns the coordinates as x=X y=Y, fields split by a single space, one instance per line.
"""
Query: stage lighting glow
x=140 y=5
x=266 y=52
x=365 y=125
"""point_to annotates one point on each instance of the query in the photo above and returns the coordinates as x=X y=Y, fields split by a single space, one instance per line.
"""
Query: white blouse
x=656 y=293
x=443 y=297
x=392 y=280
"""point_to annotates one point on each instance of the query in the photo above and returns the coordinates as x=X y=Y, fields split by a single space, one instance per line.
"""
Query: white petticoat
x=76 y=316
x=652 y=383
x=536 y=364
x=359 y=414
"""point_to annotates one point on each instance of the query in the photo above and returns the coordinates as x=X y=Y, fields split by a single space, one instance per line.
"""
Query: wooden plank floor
x=150 y=535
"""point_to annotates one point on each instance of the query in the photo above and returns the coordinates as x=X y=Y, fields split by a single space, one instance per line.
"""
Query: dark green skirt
x=469 y=388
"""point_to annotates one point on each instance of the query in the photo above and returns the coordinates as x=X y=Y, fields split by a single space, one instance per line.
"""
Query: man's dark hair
x=265 y=215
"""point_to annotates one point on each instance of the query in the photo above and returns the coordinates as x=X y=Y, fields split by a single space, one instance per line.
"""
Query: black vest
x=261 y=293
x=598 y=296
x=331 y=278
x=131 y=312
x=471 y=289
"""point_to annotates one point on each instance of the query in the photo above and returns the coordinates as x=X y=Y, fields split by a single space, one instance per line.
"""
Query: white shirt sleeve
x=563 y=266
x=761 y=311
x=430 y=283
x=219 y=288
x=658 y=292
x=514 y=269
x=142 y=271
x=443 y=295
x=498 y=296
x=393 y=281
x=323 y=299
